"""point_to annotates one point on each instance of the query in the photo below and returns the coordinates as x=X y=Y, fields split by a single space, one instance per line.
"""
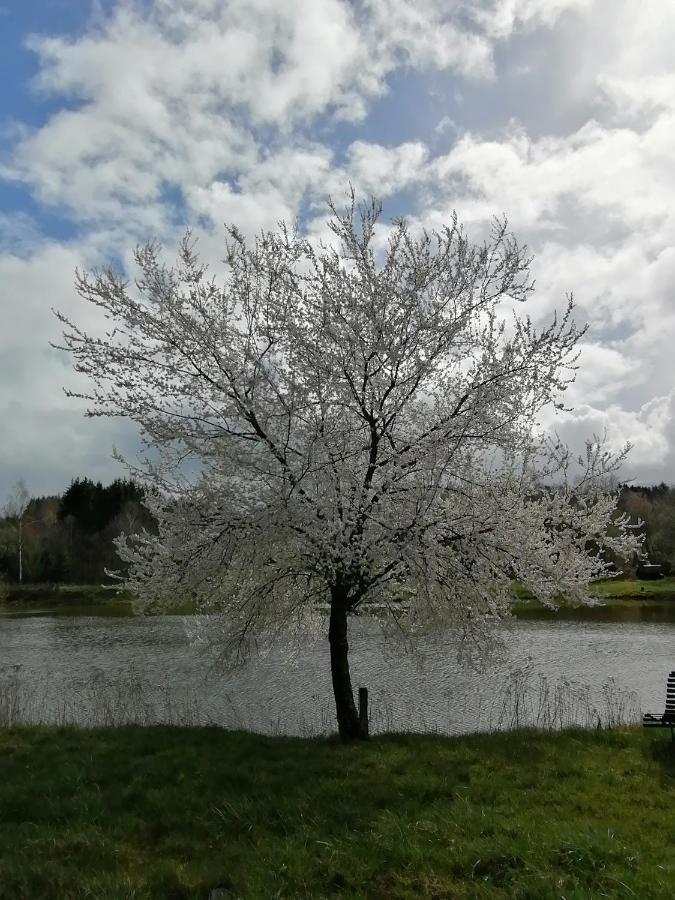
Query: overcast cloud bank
x=148 y=116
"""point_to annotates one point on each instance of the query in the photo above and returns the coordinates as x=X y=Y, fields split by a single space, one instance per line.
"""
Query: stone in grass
x=220 y=893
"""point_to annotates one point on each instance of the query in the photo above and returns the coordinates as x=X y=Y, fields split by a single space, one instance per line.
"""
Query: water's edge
x=100 y=670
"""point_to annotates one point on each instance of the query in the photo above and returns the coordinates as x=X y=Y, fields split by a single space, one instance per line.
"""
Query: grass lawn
x=173 y=813
x=661 y=587
x=77 y=598
x=57 y=594
x=613 y=593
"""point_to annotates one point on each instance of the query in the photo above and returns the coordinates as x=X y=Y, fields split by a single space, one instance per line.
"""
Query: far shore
x=612 y=594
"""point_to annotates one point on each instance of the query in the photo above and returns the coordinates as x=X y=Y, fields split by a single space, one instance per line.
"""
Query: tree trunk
x=21 y=550
x=349 y=726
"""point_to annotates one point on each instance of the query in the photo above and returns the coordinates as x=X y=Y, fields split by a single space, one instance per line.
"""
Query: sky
x=128 y=120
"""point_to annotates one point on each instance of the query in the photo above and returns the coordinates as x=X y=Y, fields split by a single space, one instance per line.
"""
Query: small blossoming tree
x=336 y=426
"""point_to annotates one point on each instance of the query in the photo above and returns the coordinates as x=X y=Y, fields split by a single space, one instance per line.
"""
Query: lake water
x=108 y=669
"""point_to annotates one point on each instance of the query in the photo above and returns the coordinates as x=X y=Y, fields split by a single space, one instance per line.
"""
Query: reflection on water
x=70 y=662
x=654 y=610
x=109 y=610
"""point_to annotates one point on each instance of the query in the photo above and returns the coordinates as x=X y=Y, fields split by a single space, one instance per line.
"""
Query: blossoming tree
x=338 y=425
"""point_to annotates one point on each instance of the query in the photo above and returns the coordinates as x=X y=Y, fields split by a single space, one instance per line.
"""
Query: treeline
x=70 y=538
x=655 y=507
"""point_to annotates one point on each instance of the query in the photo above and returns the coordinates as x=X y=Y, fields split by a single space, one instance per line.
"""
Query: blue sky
x=126 y=120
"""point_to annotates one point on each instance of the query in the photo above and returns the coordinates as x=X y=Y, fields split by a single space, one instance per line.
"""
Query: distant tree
x=91 y=516
x=360 y=432
x=93 y=506
x=654 y=506
x=81 y=502
x=15 y=509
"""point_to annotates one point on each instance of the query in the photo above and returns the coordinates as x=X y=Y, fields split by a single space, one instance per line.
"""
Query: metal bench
x=667 y=720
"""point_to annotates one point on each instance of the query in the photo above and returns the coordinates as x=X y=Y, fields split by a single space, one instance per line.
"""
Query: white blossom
x=334 y=428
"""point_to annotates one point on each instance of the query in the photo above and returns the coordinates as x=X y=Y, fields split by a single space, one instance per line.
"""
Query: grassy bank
x=621 y=588
x=62 y=594
x=628 y=599
x=174 y=813
x=613 y=593
x=76 y=599
x=634 y=588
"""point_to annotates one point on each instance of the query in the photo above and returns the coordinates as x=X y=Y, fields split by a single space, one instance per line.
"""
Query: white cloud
x=500 y=18
x=426 y=35
x=49 y=446
x=226 y=106
x=382 y=171
x=274 y=60
x=604 y=372
x=595 y=207
x=45 y=439
x=446 y=123
x=633 y=100
x=597 y=168
x=174 y=94
x=650 y=430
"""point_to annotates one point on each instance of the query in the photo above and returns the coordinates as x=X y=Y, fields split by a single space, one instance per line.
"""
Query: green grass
x=614 y=594
x=619 y=601
x=662 y=587
x=56 y=594
x=173 y=813
x=77 y=598
x=620 y=588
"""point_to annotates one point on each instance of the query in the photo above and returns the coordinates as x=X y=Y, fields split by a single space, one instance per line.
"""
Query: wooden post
x=363 y=711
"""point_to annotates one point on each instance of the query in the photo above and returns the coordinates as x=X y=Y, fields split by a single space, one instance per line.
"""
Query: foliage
x=93 y=506
x=70 y=538
x=655 y=507
x=15 y=510
x=331 y=426
x=169 y=812
x=48 y=561
x=18 y=502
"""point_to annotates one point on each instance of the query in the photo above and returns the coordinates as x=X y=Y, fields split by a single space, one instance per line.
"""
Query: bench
x=667 y=720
